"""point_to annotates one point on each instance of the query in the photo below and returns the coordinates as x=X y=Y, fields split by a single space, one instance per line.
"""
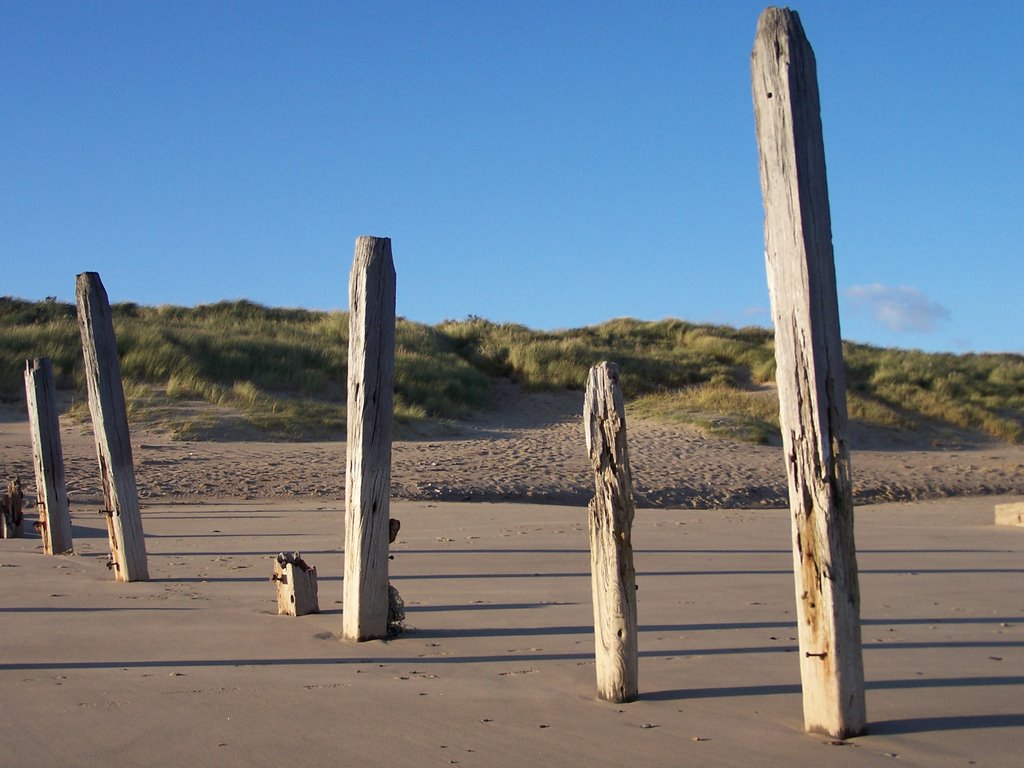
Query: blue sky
x=555 y=164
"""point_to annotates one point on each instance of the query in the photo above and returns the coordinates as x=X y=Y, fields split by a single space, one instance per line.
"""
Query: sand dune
x=530 y=448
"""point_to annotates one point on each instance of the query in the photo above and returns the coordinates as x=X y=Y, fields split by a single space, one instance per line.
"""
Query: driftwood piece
x=47 y=457
x=613 y=578
x=110 y=429
x=371 y=366
x=810 y=375
x=11 y=513
x=296 y=585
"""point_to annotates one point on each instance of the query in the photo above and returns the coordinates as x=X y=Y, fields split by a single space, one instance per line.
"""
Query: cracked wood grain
x=371 y=369
x=810 y=374
x=110 y=428
x=613 y=577
x=47 y=456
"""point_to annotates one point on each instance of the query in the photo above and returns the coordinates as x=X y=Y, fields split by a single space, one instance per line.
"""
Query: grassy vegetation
x=718 y=408
x=282 y=371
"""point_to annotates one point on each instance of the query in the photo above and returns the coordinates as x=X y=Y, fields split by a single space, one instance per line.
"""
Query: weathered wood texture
x=1010 y=514
x=371 y=368
x=296 y=585
x=110 y=429
x=612 y=576
x=810 y=375
x=47 y=457
x=12 y=510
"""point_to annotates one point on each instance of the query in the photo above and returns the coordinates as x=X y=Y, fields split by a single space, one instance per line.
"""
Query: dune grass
x=282 y=372
x=983 y=392
x=718 y=408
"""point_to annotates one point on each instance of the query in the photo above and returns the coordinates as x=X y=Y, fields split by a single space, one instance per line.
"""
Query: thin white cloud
x=900 y=308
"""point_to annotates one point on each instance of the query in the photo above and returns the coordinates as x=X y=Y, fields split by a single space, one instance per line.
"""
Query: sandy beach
x=496 y=666
x=529 y=448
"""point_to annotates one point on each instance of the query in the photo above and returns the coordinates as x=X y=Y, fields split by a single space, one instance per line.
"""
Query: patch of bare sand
x=529 y=447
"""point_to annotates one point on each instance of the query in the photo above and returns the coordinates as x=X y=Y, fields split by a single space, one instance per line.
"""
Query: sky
x=554 y=164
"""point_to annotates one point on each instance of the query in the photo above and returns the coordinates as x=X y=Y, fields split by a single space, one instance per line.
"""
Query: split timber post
x=371 y=374
x=612 y=576
x=110 y=429
x=47 y=457
x=296 y=585
x=810 y=375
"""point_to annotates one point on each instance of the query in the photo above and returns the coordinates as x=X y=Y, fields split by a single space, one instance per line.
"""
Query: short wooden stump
x=296 y=585
x=1010 y=514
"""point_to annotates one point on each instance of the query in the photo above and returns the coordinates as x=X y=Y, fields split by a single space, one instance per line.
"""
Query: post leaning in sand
x=110 y=429
x=613 y=578
x=371 y=373
x=810 y=375
x=47 y=456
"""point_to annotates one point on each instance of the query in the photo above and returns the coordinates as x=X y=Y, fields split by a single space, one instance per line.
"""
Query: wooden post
x=811 y=379
x=296 y=585
x=371 y=373
x=612 y=577
x=110 y=428
x=48 y=457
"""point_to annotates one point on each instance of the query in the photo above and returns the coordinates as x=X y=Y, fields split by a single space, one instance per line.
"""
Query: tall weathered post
x=612 y=576
x=110 y=429
x=811 y=379
x=371 y=374
x=47 y=456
